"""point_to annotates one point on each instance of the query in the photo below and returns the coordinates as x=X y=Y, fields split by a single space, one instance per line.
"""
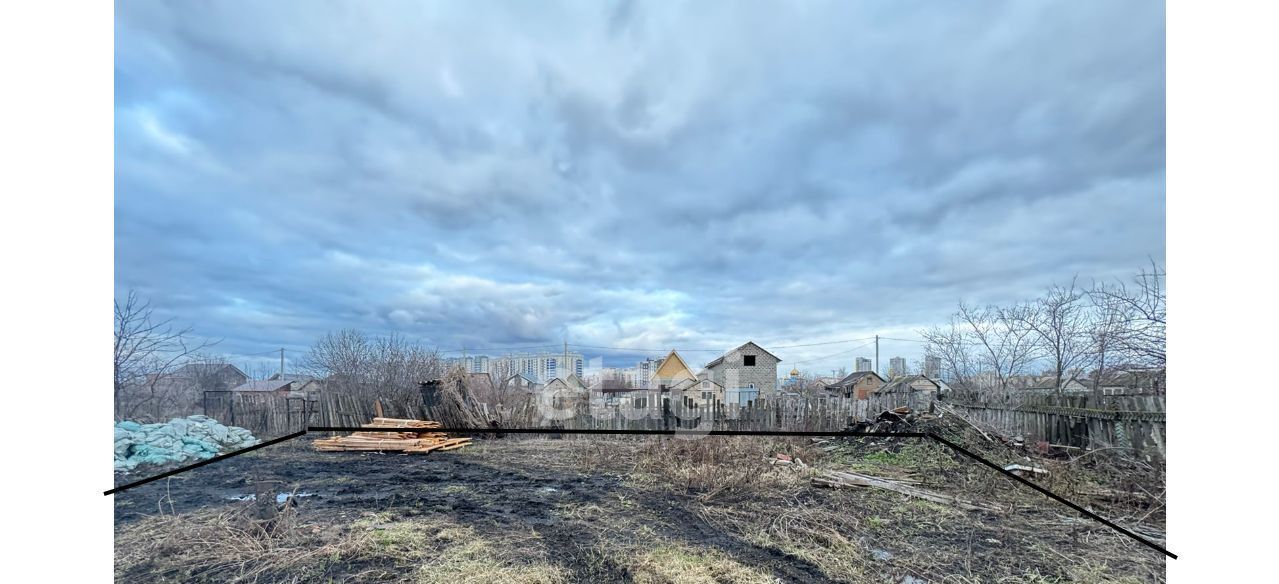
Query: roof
x=196 y=369
x=906 y=380
x=1050 y=382
x=617 y=386
x=720 y=359
x=522 y=376
x=672 y=367
x=570 y=383
x=265 y=385
x=854 y=377
x=694 y=384
x=292 y=377
x=1132 y=377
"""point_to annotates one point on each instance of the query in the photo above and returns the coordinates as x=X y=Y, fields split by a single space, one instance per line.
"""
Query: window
x=640 y=403
x=748 y=360
x=706 y=395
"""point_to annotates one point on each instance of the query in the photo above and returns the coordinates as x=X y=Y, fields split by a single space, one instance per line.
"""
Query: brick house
x=746 y=373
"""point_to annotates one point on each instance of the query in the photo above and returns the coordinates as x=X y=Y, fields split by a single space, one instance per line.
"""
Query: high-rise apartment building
x=896 y=367
x=932 y=366
x=863 y=364
x=541 y=367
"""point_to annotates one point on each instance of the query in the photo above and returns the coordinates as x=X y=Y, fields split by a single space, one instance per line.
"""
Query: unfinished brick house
x=746 y=373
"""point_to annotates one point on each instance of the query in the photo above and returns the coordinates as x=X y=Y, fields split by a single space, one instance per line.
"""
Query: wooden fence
x=270 y=414
x=1133 y=422
x=273 y=415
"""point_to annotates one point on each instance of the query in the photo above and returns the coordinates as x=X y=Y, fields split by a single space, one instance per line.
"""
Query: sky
x=638 y=175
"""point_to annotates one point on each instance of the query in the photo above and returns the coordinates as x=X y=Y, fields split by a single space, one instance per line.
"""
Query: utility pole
x=281 y=363
x=876 y=354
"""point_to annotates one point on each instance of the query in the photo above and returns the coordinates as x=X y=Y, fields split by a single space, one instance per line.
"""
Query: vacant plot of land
x=578 y=510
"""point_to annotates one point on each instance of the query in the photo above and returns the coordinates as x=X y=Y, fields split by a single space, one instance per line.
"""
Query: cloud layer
x=646 y=175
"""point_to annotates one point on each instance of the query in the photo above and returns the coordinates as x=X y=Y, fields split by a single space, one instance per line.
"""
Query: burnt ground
x=597 y=511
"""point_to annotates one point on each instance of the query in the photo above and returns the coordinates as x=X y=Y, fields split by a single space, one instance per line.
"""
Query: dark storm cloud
x=639 y=174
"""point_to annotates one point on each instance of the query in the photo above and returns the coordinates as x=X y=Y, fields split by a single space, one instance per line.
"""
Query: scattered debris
x=852 y=479
x=1025 y=471
x=414 y=442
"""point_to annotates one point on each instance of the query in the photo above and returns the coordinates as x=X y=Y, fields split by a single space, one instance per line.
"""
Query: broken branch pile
x=852 y=479
x=415 y=442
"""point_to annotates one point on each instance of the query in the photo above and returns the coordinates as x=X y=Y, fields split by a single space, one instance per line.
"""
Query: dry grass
x=809 y=533
x=228 y=547
x=722 y=468
x=708 y=510
x=693 y=565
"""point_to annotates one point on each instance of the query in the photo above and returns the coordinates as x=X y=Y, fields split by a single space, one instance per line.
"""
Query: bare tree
x=953 y=346
x=1108 y=321
x=342 y=357
x=147 y=351
x=1143 y=305
x=1003 y=348
x=389 y=367
x=1061 y=324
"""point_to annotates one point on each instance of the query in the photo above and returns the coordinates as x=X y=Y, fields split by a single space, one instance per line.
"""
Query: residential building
x=566 y=396
x=914 y=391
x=1047 y=385
x=644 y=371
x=859 y=384
x=897 y=367
x=697 y=393
x=746 y=373
x=672 y=371
x=303 y=383
x=1131 y=381
x=521 y=382
x=541 y=367
x=616 y=391
x=864 y=364
x=281 y=387
x=932 y=366
x=208 y=376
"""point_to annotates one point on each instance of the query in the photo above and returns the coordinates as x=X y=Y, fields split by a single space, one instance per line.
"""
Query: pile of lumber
x=419 y=440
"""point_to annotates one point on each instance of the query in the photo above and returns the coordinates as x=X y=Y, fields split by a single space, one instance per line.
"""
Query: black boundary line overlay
x=1051 y=494
x=217 y=458
x=673 y=432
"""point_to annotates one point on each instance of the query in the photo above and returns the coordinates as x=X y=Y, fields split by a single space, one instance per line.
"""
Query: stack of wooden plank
x=419 y=439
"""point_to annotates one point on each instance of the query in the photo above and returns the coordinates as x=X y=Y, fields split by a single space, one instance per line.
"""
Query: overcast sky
x=652 y=175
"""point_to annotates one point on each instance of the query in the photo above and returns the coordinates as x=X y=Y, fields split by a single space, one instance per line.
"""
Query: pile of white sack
x=179 y=440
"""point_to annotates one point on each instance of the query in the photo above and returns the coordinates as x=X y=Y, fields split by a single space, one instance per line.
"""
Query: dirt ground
x=614 y=510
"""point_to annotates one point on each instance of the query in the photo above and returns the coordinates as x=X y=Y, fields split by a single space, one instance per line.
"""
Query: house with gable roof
x=746 y=373
x=858 y=384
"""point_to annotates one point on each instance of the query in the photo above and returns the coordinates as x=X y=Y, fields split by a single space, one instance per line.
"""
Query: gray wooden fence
x=1130 y=422
x=273 y=415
